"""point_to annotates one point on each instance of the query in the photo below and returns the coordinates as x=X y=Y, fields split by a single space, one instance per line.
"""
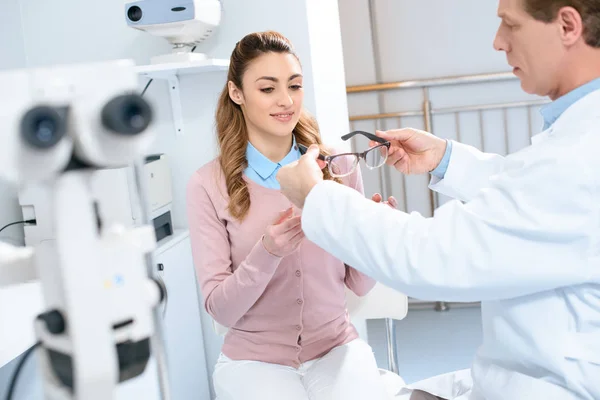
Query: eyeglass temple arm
x=303 y=149
x=366 y=134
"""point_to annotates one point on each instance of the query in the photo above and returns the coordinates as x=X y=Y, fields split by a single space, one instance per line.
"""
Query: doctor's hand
x=298 y=178
x=391 y=201
x=413 y=151
x=285 y=234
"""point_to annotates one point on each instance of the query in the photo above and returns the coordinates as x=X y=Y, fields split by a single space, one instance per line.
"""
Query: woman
x=282 y=297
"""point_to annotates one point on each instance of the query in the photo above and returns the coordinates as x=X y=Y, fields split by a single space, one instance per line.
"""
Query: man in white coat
x=522 y=236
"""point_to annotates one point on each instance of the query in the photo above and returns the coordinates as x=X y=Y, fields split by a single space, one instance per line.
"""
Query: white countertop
x=19 y=305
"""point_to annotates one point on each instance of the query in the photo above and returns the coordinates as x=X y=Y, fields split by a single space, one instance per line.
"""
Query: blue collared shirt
x=264 y=171
x=550 y=112
x=442 y=167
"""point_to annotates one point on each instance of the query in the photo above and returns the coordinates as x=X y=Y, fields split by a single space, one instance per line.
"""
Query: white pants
x=455 y=385
x=347 y=372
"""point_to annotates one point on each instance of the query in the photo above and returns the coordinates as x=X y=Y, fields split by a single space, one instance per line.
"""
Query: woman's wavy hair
x=231 y=127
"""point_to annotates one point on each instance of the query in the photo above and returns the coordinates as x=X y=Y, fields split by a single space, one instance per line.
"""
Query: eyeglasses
x=344 y=164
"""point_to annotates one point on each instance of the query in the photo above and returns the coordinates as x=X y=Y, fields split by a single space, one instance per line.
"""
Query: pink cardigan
x=279 y=310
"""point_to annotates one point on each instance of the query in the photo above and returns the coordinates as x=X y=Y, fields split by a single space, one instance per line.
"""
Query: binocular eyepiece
x=43 y=127
x=128 y=115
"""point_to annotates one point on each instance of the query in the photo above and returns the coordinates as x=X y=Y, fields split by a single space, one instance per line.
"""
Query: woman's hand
x=285 y=234
x=391 y=201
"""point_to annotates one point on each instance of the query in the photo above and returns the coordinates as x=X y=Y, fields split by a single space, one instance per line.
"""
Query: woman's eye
x=266 y=90
x=296 y=87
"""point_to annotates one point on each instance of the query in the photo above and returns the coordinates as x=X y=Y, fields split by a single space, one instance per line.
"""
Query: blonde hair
x=232 y=134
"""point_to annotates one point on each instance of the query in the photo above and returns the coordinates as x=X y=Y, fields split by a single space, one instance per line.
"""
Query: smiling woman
x=282 y=297
x=262 y=102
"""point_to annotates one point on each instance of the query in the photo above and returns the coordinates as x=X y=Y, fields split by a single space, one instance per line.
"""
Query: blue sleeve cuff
x=442 y=167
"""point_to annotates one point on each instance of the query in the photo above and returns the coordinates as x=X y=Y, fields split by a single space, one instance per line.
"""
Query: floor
x=430 y=342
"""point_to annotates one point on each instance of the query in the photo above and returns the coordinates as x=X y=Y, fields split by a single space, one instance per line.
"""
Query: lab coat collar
x=265 y=167
x=582 y=113
x=551 y=112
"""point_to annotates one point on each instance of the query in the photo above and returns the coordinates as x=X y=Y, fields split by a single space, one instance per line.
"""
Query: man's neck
x=275 y=148
x=581 y=71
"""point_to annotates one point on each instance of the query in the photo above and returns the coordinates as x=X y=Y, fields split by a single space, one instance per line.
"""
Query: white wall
x=12 y=55
x=63 y=32
x=12 y=50
x=329 y=76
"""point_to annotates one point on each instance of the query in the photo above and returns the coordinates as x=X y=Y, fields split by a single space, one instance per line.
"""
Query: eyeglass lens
x=342 y=165
x=376 y=157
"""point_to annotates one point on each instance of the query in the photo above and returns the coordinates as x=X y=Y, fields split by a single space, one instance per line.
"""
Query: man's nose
x=500 y=43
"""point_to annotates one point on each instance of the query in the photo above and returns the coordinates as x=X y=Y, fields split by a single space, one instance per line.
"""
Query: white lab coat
x=524 y=239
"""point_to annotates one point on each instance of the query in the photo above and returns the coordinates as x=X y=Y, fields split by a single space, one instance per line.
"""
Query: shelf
x=167 y=71
x=171 y=73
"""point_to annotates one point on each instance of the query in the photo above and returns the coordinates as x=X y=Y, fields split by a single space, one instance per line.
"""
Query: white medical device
x=59 y=125
x=184 y=23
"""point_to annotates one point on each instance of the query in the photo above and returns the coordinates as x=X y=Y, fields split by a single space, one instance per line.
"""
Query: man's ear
x=571 y=25
x=235 y=94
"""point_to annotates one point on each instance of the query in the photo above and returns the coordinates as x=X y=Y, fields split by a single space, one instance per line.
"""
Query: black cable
x=28 y=221
x=147 y=84
x=13 y=380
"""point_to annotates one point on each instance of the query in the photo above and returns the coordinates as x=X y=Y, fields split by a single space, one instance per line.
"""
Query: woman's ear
x=235 y=94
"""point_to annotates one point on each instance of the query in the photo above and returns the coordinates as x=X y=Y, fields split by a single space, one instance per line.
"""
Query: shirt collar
x=265 y=167
x=551 y=112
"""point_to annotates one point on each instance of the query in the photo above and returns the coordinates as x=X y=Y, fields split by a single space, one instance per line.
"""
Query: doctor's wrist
x=442 y=160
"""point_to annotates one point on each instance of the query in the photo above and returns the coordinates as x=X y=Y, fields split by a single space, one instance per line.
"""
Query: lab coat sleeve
x=468 y=172
x=227 y=294
x=355 y=280
x=512 y=239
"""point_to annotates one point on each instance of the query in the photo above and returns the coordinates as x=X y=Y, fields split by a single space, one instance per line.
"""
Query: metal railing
x=425 y=83
x=427 y=111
